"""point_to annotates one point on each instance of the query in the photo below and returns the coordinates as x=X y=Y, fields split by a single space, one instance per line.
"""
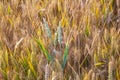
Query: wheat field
x=59 y=40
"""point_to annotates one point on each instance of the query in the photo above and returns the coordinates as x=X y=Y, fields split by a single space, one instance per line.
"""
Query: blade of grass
x=32 y=69
x=65 y=55
x=4 y=73
x=99 y=63
x=47 y=55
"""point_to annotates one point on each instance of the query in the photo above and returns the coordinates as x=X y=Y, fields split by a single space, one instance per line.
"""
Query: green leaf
x=87 y=30
x=48 y=56
x=65 y=55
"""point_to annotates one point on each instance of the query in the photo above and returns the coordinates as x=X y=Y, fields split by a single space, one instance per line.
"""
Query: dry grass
x=59 y=40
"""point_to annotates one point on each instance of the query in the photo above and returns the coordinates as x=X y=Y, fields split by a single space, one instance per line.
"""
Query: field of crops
x=59 y=40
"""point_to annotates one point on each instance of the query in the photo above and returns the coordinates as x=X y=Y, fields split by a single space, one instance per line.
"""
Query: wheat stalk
x=93 y=76
x=111 y=68
x=47 y=72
